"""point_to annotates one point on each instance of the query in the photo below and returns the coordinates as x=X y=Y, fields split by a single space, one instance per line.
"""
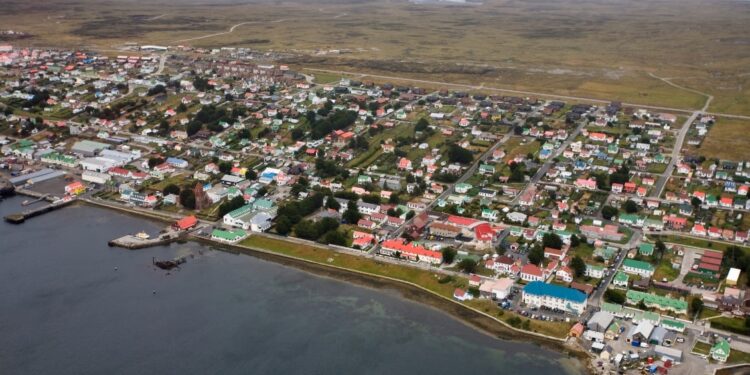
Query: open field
x=599 y=48
x=727 y=139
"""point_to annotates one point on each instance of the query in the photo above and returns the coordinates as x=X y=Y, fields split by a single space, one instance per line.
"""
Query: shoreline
x=465 y=314
x=471 y=317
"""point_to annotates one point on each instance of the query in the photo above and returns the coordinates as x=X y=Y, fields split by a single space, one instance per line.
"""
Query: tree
x=422 y=124
x=614 y=296
x=574 y=241
x=306 y=229
x=467 y=265
x=695 y=201
x=500 y=249
x=449 y=255
x=608 y=212
x=225 y=167
x=231 y=205
x=351 y=215
x=171 y=189
x=152 y=162
x=536 y=254
x=332 y=203
x=696 y=306
x=552 y=240
x=251 y=174
x=578 y=266
x=187 y=199
x=283 y=225
x=334 y=237
x=630 y=207
x=660 y=248
x=458 y=154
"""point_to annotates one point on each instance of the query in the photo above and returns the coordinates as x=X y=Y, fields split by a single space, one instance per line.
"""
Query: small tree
x=630 y=207
x=608 y=212
x=578 y=266
x=552 y=240
x=536 y=254
x=352 y=215
x=467 y=265
x=449 y=255
x=660 y=249
x=171 y=189
x=696 y=306
x=574 y=241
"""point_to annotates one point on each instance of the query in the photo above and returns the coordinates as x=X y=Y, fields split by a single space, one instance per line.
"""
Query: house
x=677 y=306
x=75 y=188
x=600 y=321
x=646 y=249
x=565 y=274
x=404 y=164
x=531 y=272
x=720 y=351
x=462 y=295
x=637 y=267
x=538 y=293
x=399 y=247
x=185 y=223
x=232 y=236
x=496 y=289
x=594 y=271
x=640 y=333
x=621 y=279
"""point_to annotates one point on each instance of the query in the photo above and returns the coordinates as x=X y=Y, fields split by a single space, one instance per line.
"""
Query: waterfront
x=66 y=309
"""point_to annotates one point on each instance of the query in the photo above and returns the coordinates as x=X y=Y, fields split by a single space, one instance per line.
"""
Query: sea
x=70 y=304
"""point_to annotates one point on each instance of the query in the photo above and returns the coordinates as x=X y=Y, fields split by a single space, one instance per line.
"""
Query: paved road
x=449 y=190
x=664 y=177
x=548 y=164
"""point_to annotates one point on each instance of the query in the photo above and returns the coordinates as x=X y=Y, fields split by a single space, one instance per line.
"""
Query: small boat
x=142 y=235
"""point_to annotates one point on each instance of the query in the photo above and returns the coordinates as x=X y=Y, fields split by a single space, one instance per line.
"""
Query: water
x=64 y=309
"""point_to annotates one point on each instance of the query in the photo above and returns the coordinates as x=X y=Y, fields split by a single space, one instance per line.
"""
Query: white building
x=538 y=293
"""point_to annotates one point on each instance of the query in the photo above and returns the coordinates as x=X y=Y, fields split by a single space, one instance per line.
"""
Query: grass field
x=735 y=325
x=697 y=242
x=701 y=348
x=604 y=49
x=727 y=139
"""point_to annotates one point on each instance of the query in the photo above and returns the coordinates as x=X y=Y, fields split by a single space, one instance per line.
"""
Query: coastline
x=466 y=314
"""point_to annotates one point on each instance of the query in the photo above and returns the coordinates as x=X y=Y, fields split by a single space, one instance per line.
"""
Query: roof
x=632 y=263
x=552 y=290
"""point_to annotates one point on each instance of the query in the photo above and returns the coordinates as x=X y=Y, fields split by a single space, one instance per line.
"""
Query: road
x=449 y=190
x=522 y=92
x=664 y=177
x=548 y=164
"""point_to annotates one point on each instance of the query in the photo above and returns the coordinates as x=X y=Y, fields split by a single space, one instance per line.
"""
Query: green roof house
x=720 y=350
x=646 y=249
x=621 y=279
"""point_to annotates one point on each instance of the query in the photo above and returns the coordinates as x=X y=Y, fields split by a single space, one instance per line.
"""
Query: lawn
x=665 y=270
x=701 y=348
x=736 y=356
x=734 y=325
x=423 y=278
x=696 y=242
x=727 y=139
x=708 y=313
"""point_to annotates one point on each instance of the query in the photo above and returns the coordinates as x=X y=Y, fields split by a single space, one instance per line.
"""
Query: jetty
x=20 y=217
x=136 y=241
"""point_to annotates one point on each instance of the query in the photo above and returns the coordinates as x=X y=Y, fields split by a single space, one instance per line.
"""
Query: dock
x=133 y=242
x=20 y=217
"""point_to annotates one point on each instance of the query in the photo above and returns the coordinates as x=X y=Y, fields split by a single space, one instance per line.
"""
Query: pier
x=20 y=217
x=133 y=242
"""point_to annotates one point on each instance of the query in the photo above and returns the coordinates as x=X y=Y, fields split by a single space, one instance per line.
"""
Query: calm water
x=64 y=309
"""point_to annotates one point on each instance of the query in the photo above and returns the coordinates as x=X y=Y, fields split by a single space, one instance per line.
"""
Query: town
x=599 y=225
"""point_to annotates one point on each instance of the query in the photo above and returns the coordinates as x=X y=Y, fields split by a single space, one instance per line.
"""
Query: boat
x=142 y=235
